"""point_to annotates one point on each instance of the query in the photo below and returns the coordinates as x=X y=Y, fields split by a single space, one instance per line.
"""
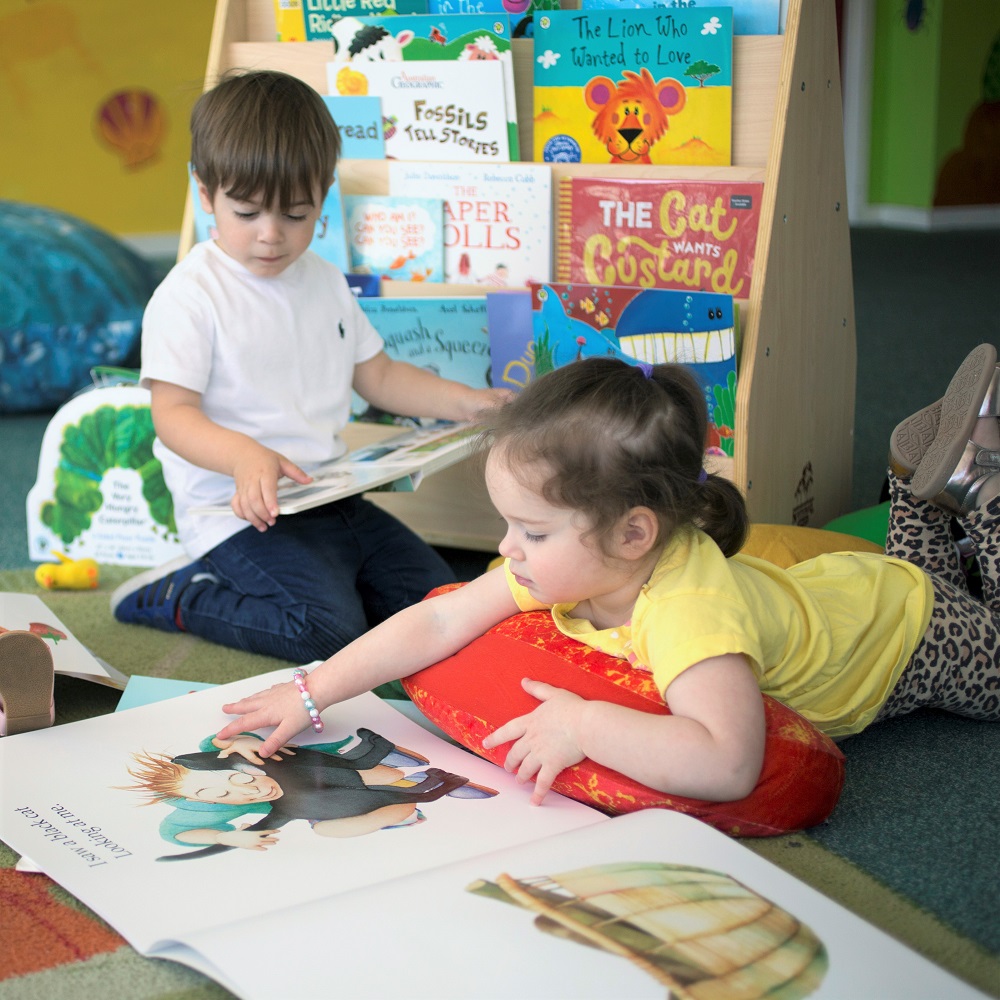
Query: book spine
x=289 y=21
x=564 y=230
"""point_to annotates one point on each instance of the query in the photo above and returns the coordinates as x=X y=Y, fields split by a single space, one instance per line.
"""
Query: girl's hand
x=279 y=706
x=545 y=740
x=246 y=747
x=256 y=471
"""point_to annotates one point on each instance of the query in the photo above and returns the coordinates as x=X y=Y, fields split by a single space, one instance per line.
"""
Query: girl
x=612 y=522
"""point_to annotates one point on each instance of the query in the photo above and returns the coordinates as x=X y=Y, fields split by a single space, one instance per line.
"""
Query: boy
x=250 y=348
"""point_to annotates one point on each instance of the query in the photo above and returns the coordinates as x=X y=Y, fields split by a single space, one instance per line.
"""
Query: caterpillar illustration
x=107 y=438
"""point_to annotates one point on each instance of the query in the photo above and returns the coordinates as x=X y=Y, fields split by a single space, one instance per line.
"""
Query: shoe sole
x=146 y=577
x=911 y=438
x=26 y=681
x=959 y=412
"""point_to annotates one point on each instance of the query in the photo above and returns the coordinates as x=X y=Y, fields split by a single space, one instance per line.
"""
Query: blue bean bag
x=71 y=297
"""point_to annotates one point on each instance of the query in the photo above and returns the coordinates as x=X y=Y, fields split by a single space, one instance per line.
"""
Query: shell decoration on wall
x=133 y=124
x=701 y=933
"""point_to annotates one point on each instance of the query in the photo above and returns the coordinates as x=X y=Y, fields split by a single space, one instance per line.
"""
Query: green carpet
x=913 y=847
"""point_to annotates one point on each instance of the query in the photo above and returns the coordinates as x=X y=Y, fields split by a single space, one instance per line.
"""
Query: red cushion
x=472 y=693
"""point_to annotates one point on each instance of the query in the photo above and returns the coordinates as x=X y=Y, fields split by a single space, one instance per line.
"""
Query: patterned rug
x=52 y=947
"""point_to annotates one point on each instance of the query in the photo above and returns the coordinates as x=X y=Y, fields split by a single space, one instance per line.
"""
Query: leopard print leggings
x=956 y=665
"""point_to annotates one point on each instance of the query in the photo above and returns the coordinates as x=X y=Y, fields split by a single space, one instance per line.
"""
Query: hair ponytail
x=612 y=436
x=724 y=517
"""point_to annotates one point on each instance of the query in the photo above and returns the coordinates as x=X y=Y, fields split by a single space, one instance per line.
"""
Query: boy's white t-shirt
x=273 y=358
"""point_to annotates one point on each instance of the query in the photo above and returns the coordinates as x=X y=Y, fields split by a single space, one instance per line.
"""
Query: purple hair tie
x=702 y=476
x=646 y=368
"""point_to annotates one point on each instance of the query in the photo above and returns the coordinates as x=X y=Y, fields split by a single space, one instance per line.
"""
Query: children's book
x=520 y=12
x=750 y=17
x=29 y=613
x=329 y=240
x=634 y=86
x=398 y=465
x=652 y=325
x=497 y=218
x=99 y=492
x=396 y=238
x=433 y=110
x=142 y=690
x=465 y=37
x=512 y=342
x=381 y=859
x=691 y=234
x=446 y=335
x=359 y=121
x=314 y=20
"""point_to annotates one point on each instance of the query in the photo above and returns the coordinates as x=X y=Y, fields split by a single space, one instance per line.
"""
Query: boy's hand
x=256 y=471
x=545 y=741
x=479 y=400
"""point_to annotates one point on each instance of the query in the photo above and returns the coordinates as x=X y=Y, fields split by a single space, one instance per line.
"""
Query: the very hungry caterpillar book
x=634 y=86
x=497 y=218
x=686 y=234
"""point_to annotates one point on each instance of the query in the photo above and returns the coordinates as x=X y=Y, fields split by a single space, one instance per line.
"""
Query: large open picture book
x=376 y=859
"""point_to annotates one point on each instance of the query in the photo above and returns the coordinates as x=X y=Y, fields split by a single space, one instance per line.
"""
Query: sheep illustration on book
x=339 y=792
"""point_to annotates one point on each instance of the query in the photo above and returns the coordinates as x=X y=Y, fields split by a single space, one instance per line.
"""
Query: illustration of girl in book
x=340 y=794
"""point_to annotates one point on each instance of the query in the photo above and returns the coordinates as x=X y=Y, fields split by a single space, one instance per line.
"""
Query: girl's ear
x=640 y=531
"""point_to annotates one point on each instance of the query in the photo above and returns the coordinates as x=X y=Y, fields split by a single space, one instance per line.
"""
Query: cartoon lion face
x=632 y=115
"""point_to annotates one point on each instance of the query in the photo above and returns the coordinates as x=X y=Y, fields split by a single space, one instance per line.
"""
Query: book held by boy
x=687 y=234
x=634 y=86
x=497 y=218
x=426 y=905
x=396 y=464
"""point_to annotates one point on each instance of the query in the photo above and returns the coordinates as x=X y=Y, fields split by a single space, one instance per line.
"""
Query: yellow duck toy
x=67 y=574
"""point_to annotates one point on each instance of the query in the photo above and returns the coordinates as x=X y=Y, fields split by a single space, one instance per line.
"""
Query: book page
x=65 y=806
x=650 y=904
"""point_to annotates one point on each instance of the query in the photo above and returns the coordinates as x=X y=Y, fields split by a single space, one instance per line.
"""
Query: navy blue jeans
x=312 y=583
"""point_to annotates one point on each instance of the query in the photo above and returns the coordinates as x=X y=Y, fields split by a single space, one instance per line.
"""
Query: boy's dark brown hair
x=613 y=438
x=265 y=135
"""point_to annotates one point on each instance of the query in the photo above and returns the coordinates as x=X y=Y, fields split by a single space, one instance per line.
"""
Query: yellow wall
x=64 y=61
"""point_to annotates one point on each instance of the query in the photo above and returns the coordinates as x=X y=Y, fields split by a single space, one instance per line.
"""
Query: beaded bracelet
x=299 y=676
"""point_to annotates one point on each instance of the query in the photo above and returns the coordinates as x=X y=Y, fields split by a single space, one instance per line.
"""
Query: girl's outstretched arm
x=414 y=638
x=710 y=747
